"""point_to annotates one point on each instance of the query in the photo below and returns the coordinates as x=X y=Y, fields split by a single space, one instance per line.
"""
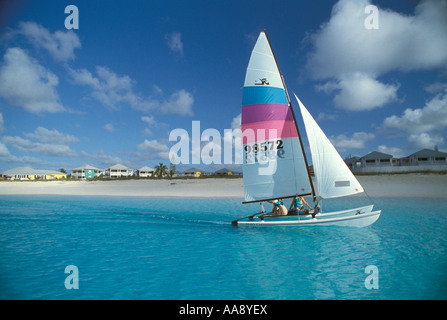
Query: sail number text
x=264 y=151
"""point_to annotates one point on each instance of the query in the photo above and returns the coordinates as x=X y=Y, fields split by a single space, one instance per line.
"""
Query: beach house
x=193 y=172
x=28 y=173
x=376 y=159
x=145 y=172
x=118 y=171
x=427 y=157
x=85 y=172
x=224 y=171
x=353 y=162
x=378 y=162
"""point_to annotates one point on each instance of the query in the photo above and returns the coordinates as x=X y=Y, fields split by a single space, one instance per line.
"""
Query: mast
x=293 y=115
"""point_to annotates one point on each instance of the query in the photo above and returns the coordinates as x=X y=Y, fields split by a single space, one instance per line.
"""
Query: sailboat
x=274 y=161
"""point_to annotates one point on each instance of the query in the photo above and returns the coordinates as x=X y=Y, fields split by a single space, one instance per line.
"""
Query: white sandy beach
x=402 y=185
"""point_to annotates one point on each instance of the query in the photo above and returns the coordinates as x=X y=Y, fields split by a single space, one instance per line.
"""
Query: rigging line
x=369 y=198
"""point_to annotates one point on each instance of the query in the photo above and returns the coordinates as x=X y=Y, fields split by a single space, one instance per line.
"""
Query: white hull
x=358 y=217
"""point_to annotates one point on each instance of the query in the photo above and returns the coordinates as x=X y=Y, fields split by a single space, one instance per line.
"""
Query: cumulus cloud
x=149 y=120
x=423 y=126
x=57 y=150
x=51 y=136
x=179 y=102
x=27 y=84
x=360 y=91
x=44 y=141
x=425 y=140
x=113 y=91
x=157 y=149
x=343 y=49
x=356 y=141
x=60 y=44
x=395 y=152
x=433 y=116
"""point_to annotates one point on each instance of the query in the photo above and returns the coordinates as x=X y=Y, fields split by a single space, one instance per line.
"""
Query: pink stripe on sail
x=268 y=130
x=265 y=112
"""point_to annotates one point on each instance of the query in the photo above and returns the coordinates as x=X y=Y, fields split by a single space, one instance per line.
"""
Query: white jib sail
x=334 y=178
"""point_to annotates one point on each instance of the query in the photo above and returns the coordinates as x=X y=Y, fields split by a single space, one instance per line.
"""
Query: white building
x=119 y=170
x=377 y=162
x=427 y=157
x=145 y=172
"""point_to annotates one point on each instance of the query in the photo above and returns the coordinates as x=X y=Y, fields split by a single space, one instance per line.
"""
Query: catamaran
x=274 y=161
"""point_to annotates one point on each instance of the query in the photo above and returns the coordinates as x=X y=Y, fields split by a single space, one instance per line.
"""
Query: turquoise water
x=141 y=248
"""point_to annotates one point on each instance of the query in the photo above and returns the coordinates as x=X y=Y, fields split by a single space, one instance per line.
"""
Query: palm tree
x=160 y=170
x=172 y=171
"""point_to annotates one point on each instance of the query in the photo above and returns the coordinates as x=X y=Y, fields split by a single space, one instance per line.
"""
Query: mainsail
x=274 y=165
x=334 y=178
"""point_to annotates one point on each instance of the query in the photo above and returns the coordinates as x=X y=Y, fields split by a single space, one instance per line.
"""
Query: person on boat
x=297 y=206
x=279 y=209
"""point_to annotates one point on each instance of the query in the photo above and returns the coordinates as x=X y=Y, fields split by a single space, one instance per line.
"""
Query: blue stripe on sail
x=263 y=94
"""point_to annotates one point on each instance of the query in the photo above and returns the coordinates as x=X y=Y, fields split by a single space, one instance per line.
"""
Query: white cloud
x=3 y=150
x=1 y=122
x=179 y=102
x=159 y=150
x=236 y=122
x=396 y=152
x=25 y=83
x=114 y=91
x=109 y=127
x=234 y=138
x=425 y=140
x=56 y=150
x=175 y=43
x=433 y=116
x=343 y=48
x=360 y=91
x=357 y=141
x=60 y=44
x=149 y=120
x=47 y=142
x=326 y=116
x=344 y=45
x=101 y=158
x=425 y=126
x=54 y=136
x=24 y=159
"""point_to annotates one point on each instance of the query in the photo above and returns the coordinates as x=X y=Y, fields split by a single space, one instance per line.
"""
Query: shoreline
x=376 y=186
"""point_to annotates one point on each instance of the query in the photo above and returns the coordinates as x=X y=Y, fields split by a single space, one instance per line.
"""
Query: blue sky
x=112 y=91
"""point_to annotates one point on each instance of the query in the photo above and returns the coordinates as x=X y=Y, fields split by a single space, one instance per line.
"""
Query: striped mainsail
x=273 y=161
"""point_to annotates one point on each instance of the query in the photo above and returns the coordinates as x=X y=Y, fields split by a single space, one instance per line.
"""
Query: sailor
x=279 y=209
x=297 y=206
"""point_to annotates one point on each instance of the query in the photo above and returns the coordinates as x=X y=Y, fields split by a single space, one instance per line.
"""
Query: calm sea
x=172 y=248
